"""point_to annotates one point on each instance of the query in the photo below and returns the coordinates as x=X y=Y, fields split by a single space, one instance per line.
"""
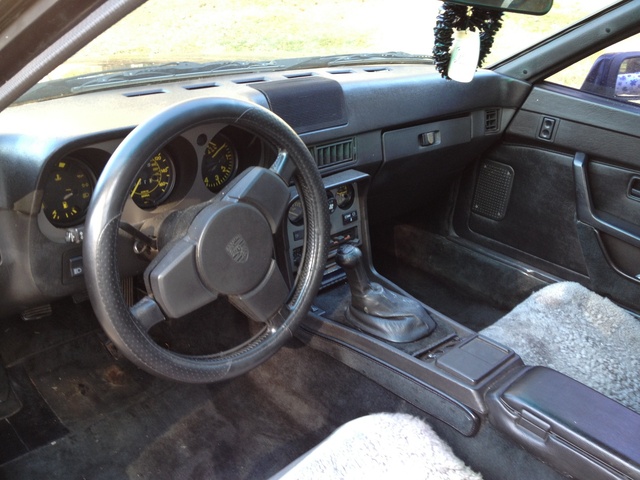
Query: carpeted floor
x=462 y=283
x=94 y=415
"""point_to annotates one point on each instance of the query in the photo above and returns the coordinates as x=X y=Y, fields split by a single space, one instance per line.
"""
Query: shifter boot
x=377 y=310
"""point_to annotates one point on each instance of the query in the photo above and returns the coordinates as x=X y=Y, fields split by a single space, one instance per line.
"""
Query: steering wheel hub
x=234 y=249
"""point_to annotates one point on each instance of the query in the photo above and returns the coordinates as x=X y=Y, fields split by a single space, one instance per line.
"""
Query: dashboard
x=372 y=155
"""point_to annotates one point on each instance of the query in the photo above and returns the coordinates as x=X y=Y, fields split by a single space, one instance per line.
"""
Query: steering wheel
x=223 y=247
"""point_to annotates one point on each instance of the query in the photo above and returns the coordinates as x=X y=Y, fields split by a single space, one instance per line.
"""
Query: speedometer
x=67 y=192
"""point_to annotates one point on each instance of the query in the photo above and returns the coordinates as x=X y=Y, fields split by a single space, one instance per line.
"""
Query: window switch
x=547 y=128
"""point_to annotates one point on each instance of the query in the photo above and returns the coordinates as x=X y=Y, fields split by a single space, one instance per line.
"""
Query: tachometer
x=155 y=181
x=67 y=192
x=219 y=163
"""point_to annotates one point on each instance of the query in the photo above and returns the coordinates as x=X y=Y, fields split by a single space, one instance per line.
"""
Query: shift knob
x=349 y=257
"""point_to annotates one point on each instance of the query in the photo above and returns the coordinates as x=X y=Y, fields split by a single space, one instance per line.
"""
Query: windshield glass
x=263 y=35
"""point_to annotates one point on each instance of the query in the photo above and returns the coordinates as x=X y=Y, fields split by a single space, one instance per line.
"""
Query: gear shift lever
x=377 y=310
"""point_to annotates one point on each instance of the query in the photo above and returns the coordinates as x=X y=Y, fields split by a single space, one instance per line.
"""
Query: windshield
x=205 y=37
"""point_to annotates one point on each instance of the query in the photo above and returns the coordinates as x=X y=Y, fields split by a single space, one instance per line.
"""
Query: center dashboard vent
x=334 y=153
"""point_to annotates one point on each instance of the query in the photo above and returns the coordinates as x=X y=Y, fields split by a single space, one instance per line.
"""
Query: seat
x=567 y=327
x=383 y=445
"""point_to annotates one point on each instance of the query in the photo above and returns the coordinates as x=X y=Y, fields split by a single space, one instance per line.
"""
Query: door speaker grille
x=493 y=189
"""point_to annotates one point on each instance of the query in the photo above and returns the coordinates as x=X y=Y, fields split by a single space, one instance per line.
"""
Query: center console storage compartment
x=569 y=426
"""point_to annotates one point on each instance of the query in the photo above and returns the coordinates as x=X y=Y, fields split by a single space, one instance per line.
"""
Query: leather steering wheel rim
x=121 y=323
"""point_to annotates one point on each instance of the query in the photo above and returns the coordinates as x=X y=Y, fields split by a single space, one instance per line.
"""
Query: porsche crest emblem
x=238 y=249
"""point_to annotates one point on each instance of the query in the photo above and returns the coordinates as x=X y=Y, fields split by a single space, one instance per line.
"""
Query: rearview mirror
x=530 y=7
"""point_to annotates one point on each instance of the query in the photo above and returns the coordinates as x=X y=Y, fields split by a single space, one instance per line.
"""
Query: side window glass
x=613 y=72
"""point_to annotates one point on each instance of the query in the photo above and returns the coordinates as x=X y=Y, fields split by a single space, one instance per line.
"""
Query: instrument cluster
x=194 y=166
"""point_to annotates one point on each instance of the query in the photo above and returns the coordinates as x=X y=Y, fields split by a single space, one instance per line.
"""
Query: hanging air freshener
x=465 y=54
x=474 y=29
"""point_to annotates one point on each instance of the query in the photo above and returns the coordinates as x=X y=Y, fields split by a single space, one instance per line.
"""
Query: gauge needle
x=136 y=187
x=68 y=196
x=218 y=150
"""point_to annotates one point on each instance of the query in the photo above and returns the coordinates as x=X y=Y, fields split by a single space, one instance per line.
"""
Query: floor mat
x=106 y=419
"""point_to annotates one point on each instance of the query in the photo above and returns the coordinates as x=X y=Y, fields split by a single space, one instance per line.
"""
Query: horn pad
x=234 y=250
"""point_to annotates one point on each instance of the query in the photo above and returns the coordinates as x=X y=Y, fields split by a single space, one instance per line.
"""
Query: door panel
x=573 y=208
x=540 y=216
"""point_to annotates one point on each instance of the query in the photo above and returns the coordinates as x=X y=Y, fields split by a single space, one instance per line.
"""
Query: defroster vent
x=331 y=154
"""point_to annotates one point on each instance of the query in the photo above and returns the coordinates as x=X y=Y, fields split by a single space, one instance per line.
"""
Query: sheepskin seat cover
x=567 y=327
x=381 y=446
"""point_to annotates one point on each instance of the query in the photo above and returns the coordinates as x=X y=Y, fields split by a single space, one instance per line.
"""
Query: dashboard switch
x=350 y=217
x=76 y=267
x=74 y=235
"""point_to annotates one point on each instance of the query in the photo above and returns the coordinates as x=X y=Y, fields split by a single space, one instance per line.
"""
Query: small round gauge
x=67 y=192
x=219 y=163
x=345 y=195
x=333 y=204
x=296 y=213
x=155 y=181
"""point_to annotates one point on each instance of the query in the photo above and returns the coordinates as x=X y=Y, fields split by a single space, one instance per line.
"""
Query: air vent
x=377 y=69
x=143 y=93
x=492 y=120
x=299 y=75
x=201 y=86
x=334 y=153
x=246 y=81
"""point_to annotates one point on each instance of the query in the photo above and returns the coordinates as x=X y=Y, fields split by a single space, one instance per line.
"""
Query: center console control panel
x=345 y=203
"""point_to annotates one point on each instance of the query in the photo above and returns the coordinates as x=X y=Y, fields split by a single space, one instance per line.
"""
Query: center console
x=455 y=375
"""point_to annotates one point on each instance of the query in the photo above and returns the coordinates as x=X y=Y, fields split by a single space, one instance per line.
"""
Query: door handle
x=633 y=191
